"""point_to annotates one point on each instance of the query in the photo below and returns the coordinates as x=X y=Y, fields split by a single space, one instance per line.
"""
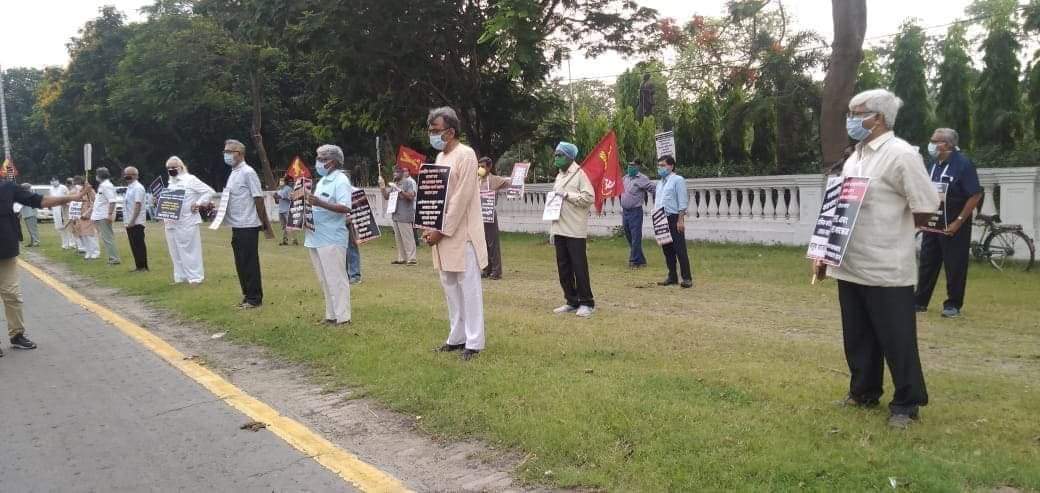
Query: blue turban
x=568 y=149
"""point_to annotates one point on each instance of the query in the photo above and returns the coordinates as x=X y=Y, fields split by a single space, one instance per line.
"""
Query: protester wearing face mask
x=284 y=200
x=86 y=233
x=879 y=269
x=60 y=215
x=637 y=185
x=327 y=243
x=134 y=218
x=949 y=250
x=568 y=234
x=491 y=183
x=245 y=212
x=404 y=214
x=104 y=214
x=182 y=235
x=671 y=195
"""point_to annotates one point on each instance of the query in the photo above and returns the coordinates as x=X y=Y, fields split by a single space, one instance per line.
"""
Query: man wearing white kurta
x=459 y=248
x=60 y=214
x=327 y=244
x=182 y=235
x=104 y=214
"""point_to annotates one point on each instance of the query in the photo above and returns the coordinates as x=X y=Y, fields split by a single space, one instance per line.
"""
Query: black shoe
x=1 y=353
x=850 y=401
x=667 y=282
x=447 y=348
x=468 y=354
x=686 y=284
x=21 y=342
x=901 y=421
x=397 y=262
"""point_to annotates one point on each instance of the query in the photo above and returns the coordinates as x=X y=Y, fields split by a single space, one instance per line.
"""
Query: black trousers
x=494 y=267
x=573 y=265
x=244 y=242
x=137 y=246
x=950 y=253
x=676 y=251
x=879 y=324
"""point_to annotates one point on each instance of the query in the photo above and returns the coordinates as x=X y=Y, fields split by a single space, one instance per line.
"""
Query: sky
x=35 y=31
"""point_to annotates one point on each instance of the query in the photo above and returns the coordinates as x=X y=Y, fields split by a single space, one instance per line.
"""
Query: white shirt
x=195 y=192
x=881 y=250
x=134 y=195
x=106 y=194
x=243 y=185
x=58 y=191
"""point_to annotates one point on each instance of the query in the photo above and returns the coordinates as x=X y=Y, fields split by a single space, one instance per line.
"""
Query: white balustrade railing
x=758 y=209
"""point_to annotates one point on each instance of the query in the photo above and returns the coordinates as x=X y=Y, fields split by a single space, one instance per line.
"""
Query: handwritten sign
x=432 y=196
x=662 y=233
x=169 y=205
x=516 y=181
x=75 y=210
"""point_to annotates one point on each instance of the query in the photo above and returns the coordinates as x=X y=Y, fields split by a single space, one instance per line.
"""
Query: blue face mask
x=229 y=159
x=437 y=141
x=320 y=167
x=662 y=172
x=855 y=129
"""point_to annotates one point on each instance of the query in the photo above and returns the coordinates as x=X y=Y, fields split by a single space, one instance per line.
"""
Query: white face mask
x=933 y=149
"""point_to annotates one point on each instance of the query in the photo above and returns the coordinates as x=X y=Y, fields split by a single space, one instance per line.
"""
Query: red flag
x=410 y=159
x=298 y=169
x=603 y=168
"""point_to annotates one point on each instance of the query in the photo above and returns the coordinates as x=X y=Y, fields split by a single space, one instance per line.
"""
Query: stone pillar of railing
x=810 y=199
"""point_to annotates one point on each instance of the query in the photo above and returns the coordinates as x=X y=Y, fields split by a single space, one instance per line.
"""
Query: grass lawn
x=727 y=386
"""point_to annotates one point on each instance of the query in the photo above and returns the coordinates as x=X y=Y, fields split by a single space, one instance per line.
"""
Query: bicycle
x=1000 y=244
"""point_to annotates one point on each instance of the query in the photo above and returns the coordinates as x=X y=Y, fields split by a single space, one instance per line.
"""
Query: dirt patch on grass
x=390 y=441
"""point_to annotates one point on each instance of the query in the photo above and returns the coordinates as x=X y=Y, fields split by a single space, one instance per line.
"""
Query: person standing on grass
x=637 y=185
x=85 y=229
x=404 y=215
x=569 y=233
x=10 y=231
x=134 y=218
x=671 y=195
x=60 y=215
x=247 y=216
x=182 y=235
x=878 y=271
x=950 y=249
x=489 y=181
x=29 y=216
x=459 y=251
x=283 y=197
x=327 y=244
x=104 y=214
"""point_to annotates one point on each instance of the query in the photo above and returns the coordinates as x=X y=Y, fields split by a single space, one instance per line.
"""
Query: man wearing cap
x=632 y=199
x=403 y=215
x=569 y=232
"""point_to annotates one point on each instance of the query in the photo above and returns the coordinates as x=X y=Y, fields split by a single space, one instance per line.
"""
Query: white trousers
x=185 y=245
x=404 y=235
x=330 y=264
x=465 y=298
x=68 y=239
x=91 y=248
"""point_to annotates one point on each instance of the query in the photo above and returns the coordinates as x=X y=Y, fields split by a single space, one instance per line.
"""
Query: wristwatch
x=960 y=218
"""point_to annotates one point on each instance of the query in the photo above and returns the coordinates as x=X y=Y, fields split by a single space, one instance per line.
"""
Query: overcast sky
x=35 y=32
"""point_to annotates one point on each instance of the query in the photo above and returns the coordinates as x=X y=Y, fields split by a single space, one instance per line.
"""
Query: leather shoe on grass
x=447 y=348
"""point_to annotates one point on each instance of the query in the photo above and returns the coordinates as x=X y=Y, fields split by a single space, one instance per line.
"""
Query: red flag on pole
x=410 y=159
x=298 y=169
x=603 y=168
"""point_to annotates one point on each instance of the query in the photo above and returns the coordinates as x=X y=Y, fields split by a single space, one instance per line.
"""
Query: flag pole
x=3 y=116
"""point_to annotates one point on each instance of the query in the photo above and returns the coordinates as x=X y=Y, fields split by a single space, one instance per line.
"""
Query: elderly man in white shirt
x=182 y=234
x=243 y=209
x=104 y=214
x=60 y=214
x=134 y=218
x=879 y=269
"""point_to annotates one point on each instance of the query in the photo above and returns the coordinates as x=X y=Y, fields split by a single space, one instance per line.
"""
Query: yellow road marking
x=348 y=466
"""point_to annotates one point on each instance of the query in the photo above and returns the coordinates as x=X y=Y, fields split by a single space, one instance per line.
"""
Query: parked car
x=121 y=193
x=43 y=215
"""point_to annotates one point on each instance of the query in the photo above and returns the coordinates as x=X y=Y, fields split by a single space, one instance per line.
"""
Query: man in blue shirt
x=327 y=244
x=950 y=248
x=671 y=195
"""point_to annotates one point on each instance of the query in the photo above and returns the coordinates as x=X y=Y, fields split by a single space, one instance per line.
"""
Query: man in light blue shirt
x=327 y=243
x=671 y=195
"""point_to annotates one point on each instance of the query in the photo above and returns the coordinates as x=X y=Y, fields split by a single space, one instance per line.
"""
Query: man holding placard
x=459 y=250
x=567 y=206
x=189 y=194
x=400 y=197
x=490 y=184
x=672 y=199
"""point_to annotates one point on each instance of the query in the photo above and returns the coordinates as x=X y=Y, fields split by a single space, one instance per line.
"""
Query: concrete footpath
x=92 y=410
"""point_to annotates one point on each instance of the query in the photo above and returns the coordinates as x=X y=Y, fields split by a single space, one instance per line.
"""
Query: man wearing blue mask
x=243 y=209
x=877 y=274
x=327 y=243
x=671 y=195
x=632 y=199
x=950 y=249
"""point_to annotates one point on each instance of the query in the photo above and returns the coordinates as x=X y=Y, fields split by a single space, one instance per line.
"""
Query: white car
x=43 y=215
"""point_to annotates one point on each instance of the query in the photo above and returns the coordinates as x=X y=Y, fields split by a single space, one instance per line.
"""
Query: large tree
x=953 y=107
x=850 y=27
x=29 y=142
x=998 y=107
x=909 y=82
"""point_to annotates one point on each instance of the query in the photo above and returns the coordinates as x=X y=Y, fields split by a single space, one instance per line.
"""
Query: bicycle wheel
x=1009 y=250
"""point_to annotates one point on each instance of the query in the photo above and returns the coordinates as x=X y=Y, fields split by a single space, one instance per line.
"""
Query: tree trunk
x=850 y=26
x=266 y=172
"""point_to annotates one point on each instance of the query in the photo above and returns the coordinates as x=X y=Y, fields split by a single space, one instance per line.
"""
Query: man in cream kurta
x=459 y=249
x=569 y=233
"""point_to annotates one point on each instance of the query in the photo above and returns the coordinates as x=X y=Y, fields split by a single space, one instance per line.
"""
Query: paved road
x=91 y=410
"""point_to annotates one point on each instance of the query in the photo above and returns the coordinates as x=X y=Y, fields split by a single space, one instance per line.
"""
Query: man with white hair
x=459 y=248
x=133 y=218
x=327 y=243
x=878 y=271
x=182 y=234
x=243 y=209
